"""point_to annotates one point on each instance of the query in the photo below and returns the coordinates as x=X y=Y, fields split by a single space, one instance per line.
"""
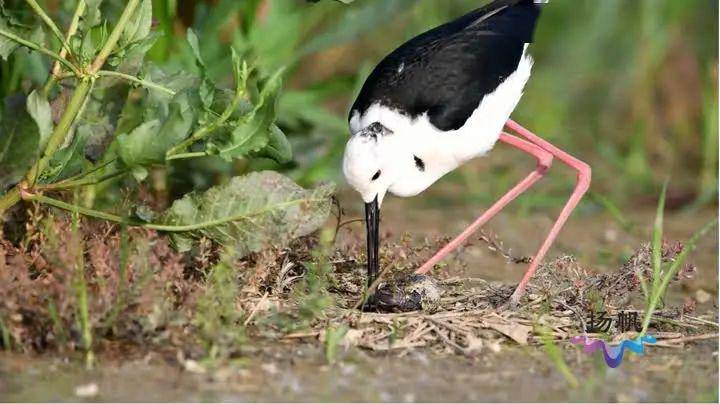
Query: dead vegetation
x=95 y=286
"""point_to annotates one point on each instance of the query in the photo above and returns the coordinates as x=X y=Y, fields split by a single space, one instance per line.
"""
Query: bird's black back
x=448 y=70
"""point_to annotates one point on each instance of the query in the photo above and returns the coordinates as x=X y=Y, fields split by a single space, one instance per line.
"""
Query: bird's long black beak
x=372 y=224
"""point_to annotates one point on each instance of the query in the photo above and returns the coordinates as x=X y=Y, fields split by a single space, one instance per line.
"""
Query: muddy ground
x=297 y=369
x=300 y=373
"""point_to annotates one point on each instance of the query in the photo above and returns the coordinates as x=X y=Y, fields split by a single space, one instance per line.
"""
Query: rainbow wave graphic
x=613 y=354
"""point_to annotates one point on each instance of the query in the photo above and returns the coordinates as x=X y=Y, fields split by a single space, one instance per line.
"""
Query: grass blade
x=657 y=238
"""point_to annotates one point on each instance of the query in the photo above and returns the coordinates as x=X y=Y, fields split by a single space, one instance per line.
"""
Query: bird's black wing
x=448 y=70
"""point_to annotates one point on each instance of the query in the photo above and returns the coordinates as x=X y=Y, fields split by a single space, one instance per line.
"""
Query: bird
x=441 y=99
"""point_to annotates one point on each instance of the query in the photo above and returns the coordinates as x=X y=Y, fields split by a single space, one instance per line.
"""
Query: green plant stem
x=119 y=303
x=643 y=284
x=82 y=182
x=556 y=357
x=144 y=83
x=5 y=336
x=50 y=23
x=86 y=173
x=191 y=155
x=41 y=49
x=657 y=238
x=156 y=226
x=55 y=73
x=9 y=200
x=61 y=130
x=82 y=292
x=114 y=36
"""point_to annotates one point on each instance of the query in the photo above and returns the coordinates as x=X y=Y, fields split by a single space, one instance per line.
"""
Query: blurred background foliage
x=630 y=86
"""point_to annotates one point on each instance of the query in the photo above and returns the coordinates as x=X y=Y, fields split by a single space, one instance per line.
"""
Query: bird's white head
x=371 y=163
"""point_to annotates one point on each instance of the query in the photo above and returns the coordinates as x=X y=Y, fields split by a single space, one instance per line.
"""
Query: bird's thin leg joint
x=584 y=174
x=544 y=161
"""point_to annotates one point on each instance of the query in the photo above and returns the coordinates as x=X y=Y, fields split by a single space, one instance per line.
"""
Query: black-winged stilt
x=441 y=99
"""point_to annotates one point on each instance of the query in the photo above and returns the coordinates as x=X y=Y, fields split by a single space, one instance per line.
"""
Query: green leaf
x=8 y=46
x=250 y=213
x=147 y=143
x=39 y=109
x=19 y=137
x=98 y=125
x=252 y=132
x=20 y=22
x=195 y=47
x=134 y=55
x=207 y=87
x=69 y=160
x=92 y=16
x=139 y=25
x=139 y=173
x=177 y=81
x=278 y=148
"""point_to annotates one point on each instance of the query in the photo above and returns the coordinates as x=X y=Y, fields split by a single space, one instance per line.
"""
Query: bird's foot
x=514 y=302
x=412 y=293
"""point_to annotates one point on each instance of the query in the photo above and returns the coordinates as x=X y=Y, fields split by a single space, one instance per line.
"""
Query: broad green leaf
x=39 y=109
x=19 y=137
x=132 y=145
x=250 y=213
x=147 y=143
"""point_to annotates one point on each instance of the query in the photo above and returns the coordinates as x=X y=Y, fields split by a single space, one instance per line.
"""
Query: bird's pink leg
x=544 y=160
x=544 y=152
x=582 y=185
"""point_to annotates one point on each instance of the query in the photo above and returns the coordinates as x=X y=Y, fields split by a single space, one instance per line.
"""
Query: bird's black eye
x=375 y=176
x=419 y=163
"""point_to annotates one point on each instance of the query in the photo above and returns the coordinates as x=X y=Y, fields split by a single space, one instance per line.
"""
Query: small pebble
x=193 y=366
x=702 y=296
x=87 y=390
